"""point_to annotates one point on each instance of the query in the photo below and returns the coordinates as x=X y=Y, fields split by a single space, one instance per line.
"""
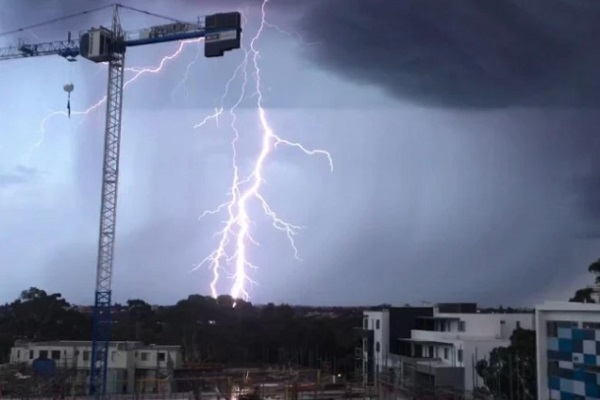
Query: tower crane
x=221 y=33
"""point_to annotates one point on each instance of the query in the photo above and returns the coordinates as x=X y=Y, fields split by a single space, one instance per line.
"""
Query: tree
x=586 y=295
x=594 y=268
x=36 y=316
x=209 y=330
x=510 y=372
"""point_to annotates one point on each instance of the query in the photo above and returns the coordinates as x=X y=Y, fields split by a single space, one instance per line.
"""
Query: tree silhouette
x=586 y=295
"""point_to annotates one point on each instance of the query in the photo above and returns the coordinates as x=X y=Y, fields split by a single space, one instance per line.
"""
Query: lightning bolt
x=235 y=237
x=138 y=72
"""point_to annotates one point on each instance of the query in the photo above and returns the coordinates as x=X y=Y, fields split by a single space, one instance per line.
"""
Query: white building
x=460 y=340
x=442 y=347
x=568 y=350
x=379 y=323
x=132 y=366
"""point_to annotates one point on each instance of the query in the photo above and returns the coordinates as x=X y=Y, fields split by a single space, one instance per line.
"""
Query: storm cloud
x=463 y=138
x=479 y=55
x=463 y=53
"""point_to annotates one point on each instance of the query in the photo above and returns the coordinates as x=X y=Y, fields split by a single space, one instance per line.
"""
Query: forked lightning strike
x=235 y=236
x=236 y=232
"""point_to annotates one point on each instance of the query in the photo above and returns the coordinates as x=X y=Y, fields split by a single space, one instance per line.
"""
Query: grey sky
x=459 y=174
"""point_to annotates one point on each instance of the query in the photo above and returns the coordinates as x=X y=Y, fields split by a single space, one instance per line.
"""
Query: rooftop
x=567 y=306
x=74 y=343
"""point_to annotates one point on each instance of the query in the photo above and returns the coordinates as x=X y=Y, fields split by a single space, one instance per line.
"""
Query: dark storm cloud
x=475 y=54
x=463 y=53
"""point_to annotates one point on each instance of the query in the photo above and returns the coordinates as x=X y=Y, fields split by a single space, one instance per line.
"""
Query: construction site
x=200 y=381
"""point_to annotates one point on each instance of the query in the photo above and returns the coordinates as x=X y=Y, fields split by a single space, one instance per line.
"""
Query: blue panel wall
x=573 y=355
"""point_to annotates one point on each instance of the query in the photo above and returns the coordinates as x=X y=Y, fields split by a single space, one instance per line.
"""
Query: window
x=431 y=352
x=31 y=354
x=144 y=356
x=461 y=326
x=377 y=347
x=19 y=355
x=162 y=356
x=113 y=356
x=459 y=355
x=376 y=324
x=55 y=354
x=552 y=327
x=518 y=324
x=366 y=323
x=43 y=354
x=591 y=325
x=445 y=353
x=86 y=355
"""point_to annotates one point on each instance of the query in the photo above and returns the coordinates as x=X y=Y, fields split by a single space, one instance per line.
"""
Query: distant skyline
x=463 y=139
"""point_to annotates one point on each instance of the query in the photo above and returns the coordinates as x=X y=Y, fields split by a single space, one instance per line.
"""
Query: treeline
x=209 y=330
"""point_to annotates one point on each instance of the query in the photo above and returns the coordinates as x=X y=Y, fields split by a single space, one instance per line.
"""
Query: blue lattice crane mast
x=221 y=33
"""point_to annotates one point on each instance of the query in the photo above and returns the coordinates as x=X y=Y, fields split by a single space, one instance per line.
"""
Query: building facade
x=568 y=350
x=438 y=346
x=379 y=334
x=132 y=366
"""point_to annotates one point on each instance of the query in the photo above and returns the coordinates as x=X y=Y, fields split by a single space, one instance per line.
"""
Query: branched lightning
x=235 y=236
x=137 y=73
x=186 y=75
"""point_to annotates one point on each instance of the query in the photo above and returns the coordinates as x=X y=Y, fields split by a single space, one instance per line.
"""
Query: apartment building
x=568 y=350
x=132 y=366
x=378 y=338
x=442 y=347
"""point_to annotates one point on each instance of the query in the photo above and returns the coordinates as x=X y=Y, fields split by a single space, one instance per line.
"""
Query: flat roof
x=85 y=343
x=567 y=306
x=67 y=343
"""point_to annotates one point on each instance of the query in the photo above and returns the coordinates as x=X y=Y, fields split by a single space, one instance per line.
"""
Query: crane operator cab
x=98 y=45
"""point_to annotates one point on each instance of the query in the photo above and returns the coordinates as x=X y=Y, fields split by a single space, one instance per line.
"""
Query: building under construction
x=194 y=381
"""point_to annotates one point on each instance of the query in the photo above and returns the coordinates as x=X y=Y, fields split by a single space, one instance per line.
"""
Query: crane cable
x=149 y=13
x=55 y=20
x=79 y=14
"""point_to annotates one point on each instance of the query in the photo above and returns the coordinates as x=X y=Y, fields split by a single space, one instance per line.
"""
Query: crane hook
x=68 y=87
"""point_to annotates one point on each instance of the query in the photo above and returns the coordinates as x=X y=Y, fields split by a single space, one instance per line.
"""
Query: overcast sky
x=463 y=135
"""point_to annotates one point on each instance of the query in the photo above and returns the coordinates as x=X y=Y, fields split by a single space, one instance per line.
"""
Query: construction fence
x=233 y=384
x=513 y=379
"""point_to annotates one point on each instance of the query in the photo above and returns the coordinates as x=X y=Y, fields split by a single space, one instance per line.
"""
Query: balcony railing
x=359 y=354
x=440 y=336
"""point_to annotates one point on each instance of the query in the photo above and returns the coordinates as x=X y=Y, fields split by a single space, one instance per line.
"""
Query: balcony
x=358 y=353
x=434 y=336
x=363 y=333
